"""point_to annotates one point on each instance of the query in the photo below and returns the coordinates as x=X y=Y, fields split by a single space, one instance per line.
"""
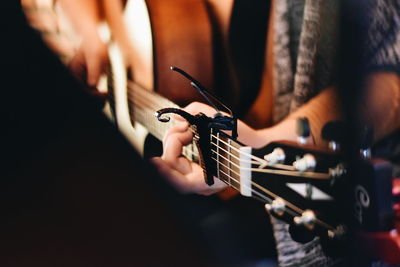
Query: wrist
x=285 y=130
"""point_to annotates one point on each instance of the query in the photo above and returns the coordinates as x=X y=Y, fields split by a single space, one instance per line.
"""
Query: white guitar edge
x=134 y=11
x=245 y=171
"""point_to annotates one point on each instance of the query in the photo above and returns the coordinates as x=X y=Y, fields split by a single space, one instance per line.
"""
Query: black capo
x=219 y=121
x=203 y=125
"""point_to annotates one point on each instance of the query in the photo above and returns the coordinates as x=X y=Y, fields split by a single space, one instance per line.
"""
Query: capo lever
x=200 y=124
x=160 y=115
x=219 y=121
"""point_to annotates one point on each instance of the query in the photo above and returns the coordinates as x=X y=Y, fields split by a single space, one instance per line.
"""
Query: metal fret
x=229 y=161
x=217 y=153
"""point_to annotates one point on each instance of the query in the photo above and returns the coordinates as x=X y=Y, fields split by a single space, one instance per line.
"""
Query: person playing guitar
x=299 y=77
x=303 y=86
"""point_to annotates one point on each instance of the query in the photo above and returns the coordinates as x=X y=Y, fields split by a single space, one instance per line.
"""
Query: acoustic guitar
x=148 y=36
x=298 y=183
x=152 y=35
x=309 y=188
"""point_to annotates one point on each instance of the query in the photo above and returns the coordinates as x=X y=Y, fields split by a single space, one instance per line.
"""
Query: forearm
x=321 y=109
x=381 y=105
x=84 y=15
x=113 y=12
x=379 y=108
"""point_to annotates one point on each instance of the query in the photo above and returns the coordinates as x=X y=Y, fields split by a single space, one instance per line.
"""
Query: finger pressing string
x=173 y=150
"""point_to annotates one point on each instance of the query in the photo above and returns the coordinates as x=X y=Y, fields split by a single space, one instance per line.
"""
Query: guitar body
x=159 y=34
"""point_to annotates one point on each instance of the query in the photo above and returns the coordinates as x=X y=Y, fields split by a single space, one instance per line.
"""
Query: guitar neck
x=142 y=106
x=232 y=162
x=243 y=169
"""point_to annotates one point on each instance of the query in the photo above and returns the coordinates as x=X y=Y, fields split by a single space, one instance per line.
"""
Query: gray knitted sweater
x=306 y=40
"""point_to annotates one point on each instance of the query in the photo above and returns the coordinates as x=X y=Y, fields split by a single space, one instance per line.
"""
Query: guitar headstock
x=313 y=189
x=319 y=194
x=306 y=185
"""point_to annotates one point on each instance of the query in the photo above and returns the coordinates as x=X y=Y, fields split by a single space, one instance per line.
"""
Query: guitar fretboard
x=142 y=106
x=233 y=161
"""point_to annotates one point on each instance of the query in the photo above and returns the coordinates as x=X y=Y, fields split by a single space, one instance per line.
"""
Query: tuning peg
x=307 y=219
x=307 y=162
x=338 y=233
x=337 y=172
x=302 y=129
x=276 y=156
x=277 y=206
x=334 y=133
x=366 y=139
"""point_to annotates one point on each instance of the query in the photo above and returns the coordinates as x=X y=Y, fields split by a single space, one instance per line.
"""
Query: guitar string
x=160 y=130
x=258 y=160
x=132 y=90
x=263 y=188
x=149 y=117
x=250 y=161
x=290 y=205
x=187 y=150
x=292 y=172
x=314 y=175
x=151 y=98
x=288 y=173
x=264 y=198
x=310 y=175
x=224 y=150
x=152 y=105
x=289 y=168
x=146 y=104
x=294 y=208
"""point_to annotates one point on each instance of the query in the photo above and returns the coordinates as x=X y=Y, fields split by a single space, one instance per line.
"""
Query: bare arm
x=188 y=177
x=381 y=107
x=84 y=15
x=91 y=59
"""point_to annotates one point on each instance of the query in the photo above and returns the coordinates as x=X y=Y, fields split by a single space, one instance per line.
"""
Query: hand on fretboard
x=49 y=20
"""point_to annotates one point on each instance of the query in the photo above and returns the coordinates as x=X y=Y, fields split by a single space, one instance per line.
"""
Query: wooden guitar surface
x=150 y=37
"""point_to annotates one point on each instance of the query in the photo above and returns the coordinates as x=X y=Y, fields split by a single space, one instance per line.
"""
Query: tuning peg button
x=339 y=232
x=276 y=156
x=307 y=162
x=334 y=133
x=307 y=219
x=366 y=139
x=277 y=206
x=303 y=129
